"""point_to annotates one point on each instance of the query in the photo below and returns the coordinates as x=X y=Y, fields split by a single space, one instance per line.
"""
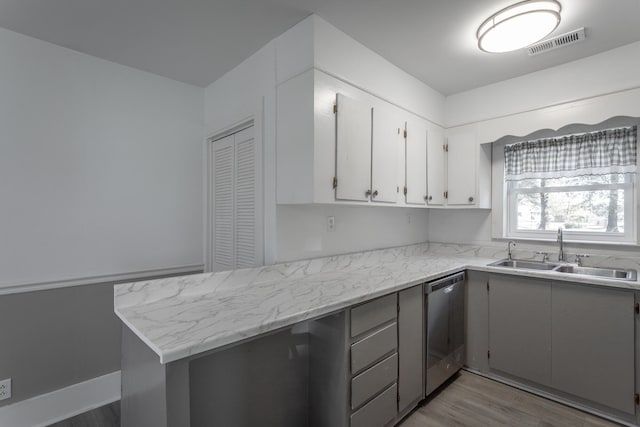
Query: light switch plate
x=5 y=389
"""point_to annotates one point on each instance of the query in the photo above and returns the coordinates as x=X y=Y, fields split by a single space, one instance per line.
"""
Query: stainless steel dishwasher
x=444 y=304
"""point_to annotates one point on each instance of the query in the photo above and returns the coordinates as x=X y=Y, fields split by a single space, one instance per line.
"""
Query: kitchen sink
x=609 y=273
x=530 y=265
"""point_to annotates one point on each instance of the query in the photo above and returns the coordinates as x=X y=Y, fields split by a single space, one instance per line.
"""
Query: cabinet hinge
x=636 y=398
x=335 y=108
x=488 y=354
x=637 y=308
x=335 y=182
x=405 y=190
x=487 y=286
x=405 y=133
x=446 y=194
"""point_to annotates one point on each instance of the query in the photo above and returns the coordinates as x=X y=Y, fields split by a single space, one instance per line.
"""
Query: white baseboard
x=61 y=404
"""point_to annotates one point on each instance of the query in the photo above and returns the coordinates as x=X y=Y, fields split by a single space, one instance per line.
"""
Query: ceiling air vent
x=557 y=42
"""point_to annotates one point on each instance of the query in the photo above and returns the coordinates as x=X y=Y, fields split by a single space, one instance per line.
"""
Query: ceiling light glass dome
x=519 y=25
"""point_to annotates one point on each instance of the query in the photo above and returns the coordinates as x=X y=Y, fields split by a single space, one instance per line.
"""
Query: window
x=584 y=183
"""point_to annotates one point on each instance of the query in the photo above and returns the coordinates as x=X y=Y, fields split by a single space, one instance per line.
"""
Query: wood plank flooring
x=470 y=400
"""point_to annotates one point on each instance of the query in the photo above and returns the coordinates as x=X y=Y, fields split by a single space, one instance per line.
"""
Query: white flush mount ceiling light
x=519 y=25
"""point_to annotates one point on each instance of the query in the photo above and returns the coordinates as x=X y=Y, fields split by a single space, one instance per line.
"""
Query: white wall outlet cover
x=5 y=389
x=331 y=223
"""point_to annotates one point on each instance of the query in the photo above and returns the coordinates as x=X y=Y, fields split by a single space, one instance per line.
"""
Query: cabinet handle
x=367 y=193
x=430 y=198
x=374 y=194
x=470 y=199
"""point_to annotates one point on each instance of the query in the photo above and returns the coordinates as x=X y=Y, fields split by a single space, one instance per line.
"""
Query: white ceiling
x=197 y=41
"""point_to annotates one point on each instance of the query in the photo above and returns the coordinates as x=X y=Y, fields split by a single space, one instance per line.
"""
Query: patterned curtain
x=594 y=153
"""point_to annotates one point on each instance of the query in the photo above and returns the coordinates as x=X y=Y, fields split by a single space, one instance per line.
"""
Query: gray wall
x=56 y=338
x=52 y=339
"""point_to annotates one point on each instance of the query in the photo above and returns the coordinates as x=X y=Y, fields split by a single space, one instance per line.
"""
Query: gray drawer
x=379 y=411
x=371 y=314
x=373 y=380
x=373 y=347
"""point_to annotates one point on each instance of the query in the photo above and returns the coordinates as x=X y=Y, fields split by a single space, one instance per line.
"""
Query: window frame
x=629 y=235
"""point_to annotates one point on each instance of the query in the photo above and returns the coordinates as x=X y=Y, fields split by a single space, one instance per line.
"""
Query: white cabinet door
x=387 y=138
x=461 y=169
x=435 y=166
x=416 y=162
x=353 y=149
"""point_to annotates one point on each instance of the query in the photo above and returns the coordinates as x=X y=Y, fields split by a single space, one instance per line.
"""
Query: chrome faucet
x=561 y=242
x=511 y=242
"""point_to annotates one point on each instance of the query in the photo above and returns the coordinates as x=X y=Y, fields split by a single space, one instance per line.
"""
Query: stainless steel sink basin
x=609 y=273
x=530 y=265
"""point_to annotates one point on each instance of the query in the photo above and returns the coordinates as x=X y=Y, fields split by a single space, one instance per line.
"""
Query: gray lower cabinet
x=373 y=347
x=477 y=320
x=374 y=362
x=572 y=340
x=367 y=316
x=379 y=412
x=387 y=359
x=592 y=338
x=520 y=327
x=410 y=348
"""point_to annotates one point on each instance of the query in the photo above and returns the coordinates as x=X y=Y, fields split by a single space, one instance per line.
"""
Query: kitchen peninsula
x=191 y=343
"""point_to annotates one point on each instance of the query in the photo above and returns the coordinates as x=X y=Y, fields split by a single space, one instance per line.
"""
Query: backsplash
x=614 y=257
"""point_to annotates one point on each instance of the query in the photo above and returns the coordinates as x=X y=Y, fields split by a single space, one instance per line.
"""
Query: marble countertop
x=182 y=316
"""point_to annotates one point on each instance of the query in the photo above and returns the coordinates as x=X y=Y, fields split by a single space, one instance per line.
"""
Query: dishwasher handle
x=444 y=282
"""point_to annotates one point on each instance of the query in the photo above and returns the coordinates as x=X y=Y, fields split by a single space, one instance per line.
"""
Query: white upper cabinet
x=436 y=161
x=353 y=149
x=458 y=169
x=461 y=169
x=386 y=144
x=468 y=169
x=416 y=162
x=340 y=144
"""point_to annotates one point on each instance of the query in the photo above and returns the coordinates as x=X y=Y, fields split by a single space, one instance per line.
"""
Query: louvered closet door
x=245 y=207
x=236 y=202
x=223 y=200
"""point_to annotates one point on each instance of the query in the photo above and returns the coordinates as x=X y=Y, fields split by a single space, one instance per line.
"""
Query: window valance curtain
x=594 y=153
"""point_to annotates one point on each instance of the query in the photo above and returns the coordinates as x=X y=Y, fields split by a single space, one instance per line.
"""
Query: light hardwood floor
x=470 y=400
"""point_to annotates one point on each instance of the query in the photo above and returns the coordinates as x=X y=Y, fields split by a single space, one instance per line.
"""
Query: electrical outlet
x=5 y=389
x=331 y=223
